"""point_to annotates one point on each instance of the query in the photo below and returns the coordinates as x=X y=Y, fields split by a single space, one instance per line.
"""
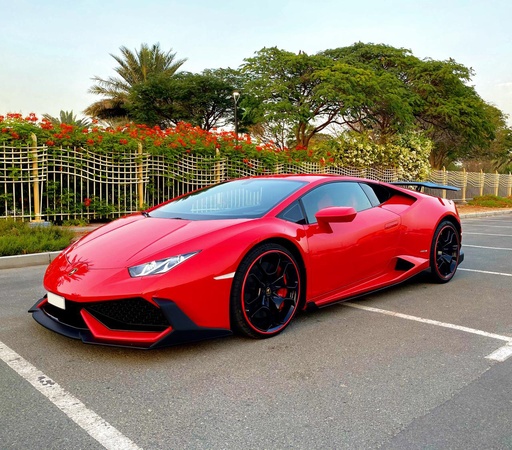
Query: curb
x=485 y=214
x=33 y=259
x=39 y=259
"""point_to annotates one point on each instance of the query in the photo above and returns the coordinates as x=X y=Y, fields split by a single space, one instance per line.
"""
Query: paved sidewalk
x=35 y=259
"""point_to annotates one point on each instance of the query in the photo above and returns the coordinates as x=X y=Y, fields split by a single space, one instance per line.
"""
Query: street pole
x=236 y=96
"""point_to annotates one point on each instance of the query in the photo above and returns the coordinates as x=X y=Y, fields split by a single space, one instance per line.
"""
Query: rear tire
x=444 y=252
x=265 y=293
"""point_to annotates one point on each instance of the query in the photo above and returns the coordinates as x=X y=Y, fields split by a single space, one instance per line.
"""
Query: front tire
x=266 y=291
x=445 y=252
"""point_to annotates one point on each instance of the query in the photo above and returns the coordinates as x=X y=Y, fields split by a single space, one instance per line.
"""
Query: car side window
x=376 y=193
x=346 y=193
x=293 y=213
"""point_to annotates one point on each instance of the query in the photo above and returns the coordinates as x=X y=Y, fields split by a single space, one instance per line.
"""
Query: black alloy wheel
x=445 y=252
x=266 y=291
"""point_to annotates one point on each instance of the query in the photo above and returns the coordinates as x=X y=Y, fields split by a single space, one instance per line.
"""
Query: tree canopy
x=134 y=68
x=368 y=88
x=296 y=99
x=203 y=100
x=68 y=118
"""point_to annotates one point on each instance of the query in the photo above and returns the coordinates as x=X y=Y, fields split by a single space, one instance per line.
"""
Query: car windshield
x=239 y=199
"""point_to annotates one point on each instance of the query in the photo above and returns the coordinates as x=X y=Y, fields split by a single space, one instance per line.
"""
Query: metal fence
x=40 y=183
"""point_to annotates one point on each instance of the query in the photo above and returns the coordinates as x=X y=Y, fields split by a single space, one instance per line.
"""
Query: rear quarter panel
x=420 y=220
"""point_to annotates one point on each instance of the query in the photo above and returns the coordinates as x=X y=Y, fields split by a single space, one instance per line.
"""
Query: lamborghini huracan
x=245 y=256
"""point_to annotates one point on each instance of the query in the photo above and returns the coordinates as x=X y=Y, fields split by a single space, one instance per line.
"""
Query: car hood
x=139 y=239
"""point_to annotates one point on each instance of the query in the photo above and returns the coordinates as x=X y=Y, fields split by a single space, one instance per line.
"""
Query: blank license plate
x=56 y=300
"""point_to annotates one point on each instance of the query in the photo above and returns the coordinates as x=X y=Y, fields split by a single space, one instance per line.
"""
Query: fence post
x=444 y=182
x=140 y=178
x=482 y=182
x=497 y=184
x=217 y=166
x=464 y=185
x=35 y=177
x=509 y=185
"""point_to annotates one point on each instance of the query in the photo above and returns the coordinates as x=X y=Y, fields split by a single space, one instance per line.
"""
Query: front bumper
x=133 y=323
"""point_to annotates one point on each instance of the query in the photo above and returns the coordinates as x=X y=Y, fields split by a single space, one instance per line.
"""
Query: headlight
x=160 y=266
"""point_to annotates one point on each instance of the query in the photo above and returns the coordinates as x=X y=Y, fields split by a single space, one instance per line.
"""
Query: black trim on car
x=183 y=328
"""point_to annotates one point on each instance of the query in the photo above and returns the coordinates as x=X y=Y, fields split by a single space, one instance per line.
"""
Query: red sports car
x=245 y=256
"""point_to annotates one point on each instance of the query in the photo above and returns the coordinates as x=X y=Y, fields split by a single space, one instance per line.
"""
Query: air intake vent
x=133 y=314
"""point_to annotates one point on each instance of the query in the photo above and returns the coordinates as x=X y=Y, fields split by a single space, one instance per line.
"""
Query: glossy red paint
x=342 y=253
x=105 y=334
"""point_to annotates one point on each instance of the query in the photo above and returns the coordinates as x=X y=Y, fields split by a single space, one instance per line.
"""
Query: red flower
x=46 y=124
x=87 y=202
x=66 y=128
x=50 y=143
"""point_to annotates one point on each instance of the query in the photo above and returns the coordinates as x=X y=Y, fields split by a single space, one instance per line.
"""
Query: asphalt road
x=342 y=377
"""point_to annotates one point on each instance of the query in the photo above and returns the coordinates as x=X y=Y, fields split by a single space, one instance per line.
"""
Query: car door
x=345 y=254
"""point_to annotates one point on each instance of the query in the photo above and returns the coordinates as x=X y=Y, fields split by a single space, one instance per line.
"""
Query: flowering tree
x=183 y=139
x=409 y=152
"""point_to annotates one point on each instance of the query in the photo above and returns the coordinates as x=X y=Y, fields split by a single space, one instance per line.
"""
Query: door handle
x=392 y=224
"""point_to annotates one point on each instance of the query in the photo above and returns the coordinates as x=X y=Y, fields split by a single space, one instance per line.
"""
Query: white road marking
x=94 y=425
x=488 y=248
x=486 y=271
x=488 y=226
x=430 y=321
x=499 y=355
x=502 y=353
x=488 y=234
x=481 y=220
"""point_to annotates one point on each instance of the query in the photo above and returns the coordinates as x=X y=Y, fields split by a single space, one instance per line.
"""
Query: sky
x=50 y=50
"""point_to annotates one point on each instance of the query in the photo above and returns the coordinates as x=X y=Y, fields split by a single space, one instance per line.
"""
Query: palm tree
x=134 y=68
x=67 y=117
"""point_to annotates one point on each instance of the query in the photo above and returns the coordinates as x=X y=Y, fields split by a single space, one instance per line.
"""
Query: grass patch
x=491 y=201
x=75 y=223
x=20 y=238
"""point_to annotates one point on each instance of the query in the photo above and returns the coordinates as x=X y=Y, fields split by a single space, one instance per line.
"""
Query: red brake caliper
x=283 y=292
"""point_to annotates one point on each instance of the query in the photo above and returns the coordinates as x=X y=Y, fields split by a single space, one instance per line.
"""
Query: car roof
x=311 y=178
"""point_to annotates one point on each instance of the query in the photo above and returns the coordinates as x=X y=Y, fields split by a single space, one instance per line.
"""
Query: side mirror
x=335 y=214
